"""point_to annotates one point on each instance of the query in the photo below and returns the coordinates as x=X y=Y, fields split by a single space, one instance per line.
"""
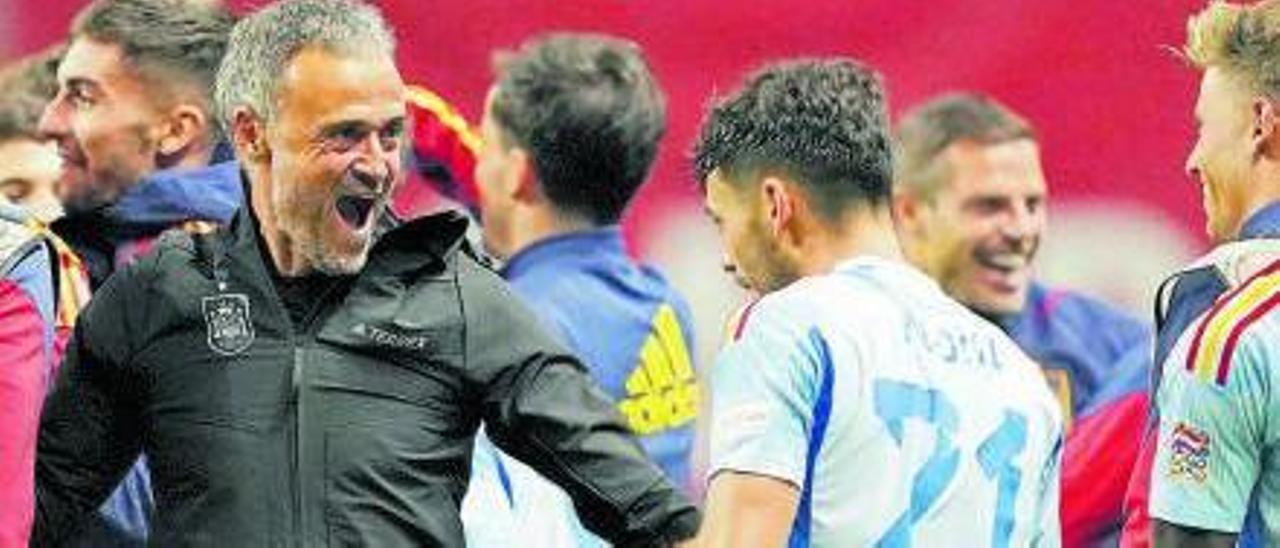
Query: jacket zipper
x=295 y=482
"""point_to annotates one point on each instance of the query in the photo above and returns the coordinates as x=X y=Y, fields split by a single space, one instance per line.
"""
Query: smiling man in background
x=133 y=123
x=970 y=202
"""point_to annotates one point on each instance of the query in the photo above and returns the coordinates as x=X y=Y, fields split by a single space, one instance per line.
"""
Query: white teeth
x=1009 y=261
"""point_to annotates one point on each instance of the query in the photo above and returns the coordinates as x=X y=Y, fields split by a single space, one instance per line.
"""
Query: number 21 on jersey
x=898 y=402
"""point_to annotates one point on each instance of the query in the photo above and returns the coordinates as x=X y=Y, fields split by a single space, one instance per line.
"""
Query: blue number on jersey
x=996 y=456
x=895 y=403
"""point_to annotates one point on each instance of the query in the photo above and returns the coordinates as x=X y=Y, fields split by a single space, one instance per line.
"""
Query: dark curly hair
x=821 y=122
x=589 y=112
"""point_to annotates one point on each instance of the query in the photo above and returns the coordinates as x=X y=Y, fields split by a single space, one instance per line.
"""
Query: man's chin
x=343 y=255
x=999 y=305
x=341 y=266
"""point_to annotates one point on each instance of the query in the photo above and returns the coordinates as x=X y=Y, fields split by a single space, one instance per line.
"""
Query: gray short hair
x=263 y=43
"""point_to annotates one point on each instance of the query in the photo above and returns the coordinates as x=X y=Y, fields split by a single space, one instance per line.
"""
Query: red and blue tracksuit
x=28 y=345
x=1097 y=361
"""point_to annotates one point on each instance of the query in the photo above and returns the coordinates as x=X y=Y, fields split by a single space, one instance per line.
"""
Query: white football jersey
x=903 y=418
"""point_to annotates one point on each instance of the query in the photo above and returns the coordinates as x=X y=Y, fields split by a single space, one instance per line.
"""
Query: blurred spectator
x=133 y=124
x=970 y=204
x=571 y=128
x=29 y=166
x=27 y=343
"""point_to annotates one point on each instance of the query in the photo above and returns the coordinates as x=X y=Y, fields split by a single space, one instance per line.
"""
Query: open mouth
x=355 y=210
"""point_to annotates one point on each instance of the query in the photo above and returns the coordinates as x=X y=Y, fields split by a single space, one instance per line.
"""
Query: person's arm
x=748 y=510
x=764 y=391
x=1172 y=535
x=1212 y=435
x=1102 y=449
x=540 y=406
x=90 y=426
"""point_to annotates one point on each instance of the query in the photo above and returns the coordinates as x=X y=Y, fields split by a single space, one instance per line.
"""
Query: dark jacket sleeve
x=540 y=406
x=89 y=430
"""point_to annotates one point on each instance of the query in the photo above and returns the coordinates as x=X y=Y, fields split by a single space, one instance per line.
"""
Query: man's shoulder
x=441 y=238
x=1070 y=307
x=16 y=236
x=1242 y=326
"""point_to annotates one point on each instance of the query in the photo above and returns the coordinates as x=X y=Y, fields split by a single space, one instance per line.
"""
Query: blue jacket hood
x=173 y=196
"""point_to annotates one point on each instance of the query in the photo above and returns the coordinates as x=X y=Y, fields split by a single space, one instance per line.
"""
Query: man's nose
x=374 y=167
x=53 y=120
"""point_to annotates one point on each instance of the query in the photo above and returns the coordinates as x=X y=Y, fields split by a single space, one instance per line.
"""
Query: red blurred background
x=1111 y=101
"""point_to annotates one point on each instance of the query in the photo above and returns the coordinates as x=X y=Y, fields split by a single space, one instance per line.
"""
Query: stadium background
x=1098 y=78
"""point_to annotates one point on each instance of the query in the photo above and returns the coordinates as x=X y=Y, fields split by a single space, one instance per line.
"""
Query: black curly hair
x=821 y=122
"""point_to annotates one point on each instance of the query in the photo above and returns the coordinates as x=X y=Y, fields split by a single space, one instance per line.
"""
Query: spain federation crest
x=228 y=324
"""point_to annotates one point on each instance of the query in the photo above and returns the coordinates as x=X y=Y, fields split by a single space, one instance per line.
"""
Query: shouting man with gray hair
x=304 y=376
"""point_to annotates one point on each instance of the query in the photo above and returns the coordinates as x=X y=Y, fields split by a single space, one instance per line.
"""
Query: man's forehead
x=27 y=157
x=976 y=166
x=329 y=87
x=93 y=61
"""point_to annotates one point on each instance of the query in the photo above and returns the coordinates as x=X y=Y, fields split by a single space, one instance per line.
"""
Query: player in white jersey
x=858 y=405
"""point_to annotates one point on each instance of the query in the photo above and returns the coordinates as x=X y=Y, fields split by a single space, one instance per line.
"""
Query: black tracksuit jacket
x=354 y=428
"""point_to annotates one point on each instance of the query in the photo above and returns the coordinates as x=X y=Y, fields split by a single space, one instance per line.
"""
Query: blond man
x=1215 y=473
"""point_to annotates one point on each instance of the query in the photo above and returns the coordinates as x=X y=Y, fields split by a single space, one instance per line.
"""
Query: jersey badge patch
x=229 y=327
x=1189 y=453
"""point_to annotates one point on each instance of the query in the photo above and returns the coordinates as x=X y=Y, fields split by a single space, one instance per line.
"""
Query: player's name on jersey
x=953 y=344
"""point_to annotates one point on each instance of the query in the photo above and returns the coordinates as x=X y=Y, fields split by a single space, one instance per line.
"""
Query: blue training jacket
x=630 y=327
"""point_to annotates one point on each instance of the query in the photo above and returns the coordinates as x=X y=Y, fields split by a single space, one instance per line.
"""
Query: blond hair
x=1243 y=40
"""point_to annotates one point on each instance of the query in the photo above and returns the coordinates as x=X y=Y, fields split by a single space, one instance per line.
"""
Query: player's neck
x=536 y=224
x=863 y=234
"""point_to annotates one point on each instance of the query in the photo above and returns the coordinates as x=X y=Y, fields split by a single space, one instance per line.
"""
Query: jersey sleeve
x=766 y=389
x=1212 y=436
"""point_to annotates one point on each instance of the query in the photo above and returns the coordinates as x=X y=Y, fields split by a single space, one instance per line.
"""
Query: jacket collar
x=400 y=250
x=1264 y=223
x=594 y=242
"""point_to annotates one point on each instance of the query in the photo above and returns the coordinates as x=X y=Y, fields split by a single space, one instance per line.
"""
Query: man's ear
x=249 y=136
x=521 y=178
x=1266 y=141
x=185 y=126
x=906 y=210
x=779 y=202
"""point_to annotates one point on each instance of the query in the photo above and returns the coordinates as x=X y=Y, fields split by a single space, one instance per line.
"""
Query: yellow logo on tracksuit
x=662 y=391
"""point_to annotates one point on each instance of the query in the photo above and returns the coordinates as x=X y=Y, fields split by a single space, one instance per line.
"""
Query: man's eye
x=350 y=135
x=79 y=101
x=15 y=189
x=394 y=130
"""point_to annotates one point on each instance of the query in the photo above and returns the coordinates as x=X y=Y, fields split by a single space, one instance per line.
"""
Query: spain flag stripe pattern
x=1219 y=332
